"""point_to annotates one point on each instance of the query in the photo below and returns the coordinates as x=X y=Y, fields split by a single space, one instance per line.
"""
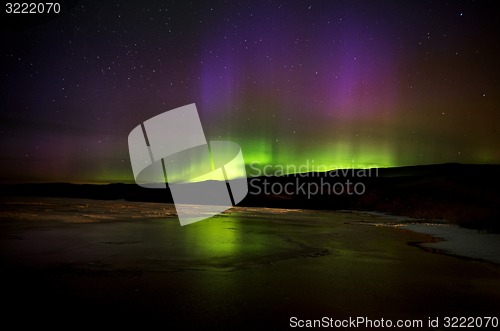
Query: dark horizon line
x=383 y=169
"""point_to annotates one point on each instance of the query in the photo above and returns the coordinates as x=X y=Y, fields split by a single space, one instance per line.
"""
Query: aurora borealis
x=343 y=83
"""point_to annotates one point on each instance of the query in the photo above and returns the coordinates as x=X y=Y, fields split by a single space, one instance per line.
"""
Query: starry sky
x=334 y=83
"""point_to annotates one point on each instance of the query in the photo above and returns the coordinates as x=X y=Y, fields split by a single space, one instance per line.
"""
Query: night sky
x=338 y=83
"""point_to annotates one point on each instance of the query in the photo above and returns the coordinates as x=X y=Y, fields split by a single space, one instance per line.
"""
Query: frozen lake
x=112 y=259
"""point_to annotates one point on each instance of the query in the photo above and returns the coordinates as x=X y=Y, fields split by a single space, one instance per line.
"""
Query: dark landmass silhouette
x=464 y=194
